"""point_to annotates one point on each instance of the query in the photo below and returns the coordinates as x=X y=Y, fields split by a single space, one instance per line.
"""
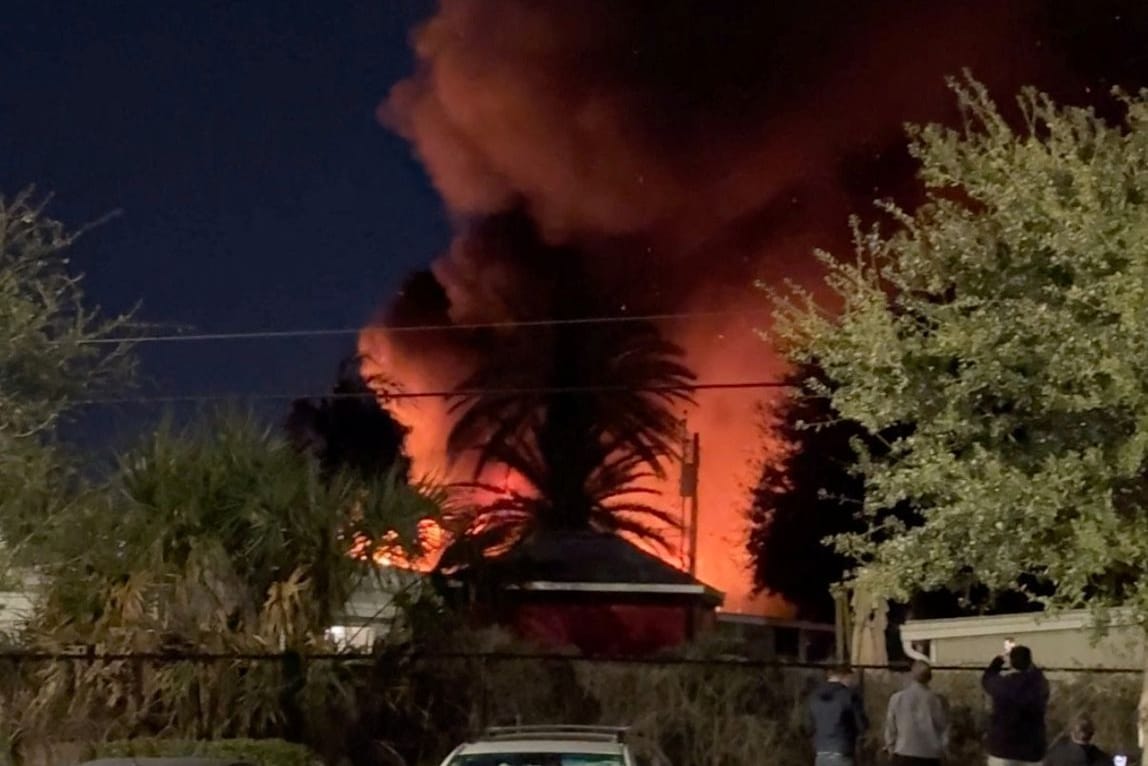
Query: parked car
x=545 y=746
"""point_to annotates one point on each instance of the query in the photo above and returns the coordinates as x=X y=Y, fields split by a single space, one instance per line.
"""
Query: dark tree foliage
x=349 y=430
x=802 y=497
x=582 y=411
x=810 y=493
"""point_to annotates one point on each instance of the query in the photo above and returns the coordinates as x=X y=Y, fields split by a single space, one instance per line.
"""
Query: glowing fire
x=391 y=553
x=616 y=162
x=731 y=444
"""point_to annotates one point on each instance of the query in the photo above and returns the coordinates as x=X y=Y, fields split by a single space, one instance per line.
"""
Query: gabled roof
x=590 y=561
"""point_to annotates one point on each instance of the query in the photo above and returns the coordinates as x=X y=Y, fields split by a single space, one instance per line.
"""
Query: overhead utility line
x=406 y=329
x=441 y=394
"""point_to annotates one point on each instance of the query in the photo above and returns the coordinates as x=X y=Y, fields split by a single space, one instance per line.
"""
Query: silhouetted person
x=916 y=726
x=1020 y=700
x=1076 y=748
x=837 y=717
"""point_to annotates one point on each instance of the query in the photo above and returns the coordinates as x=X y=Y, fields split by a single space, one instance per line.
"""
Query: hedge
x=260 y=752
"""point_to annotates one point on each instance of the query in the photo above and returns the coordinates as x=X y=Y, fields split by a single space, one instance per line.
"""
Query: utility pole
x=688 y=490
x=694 y=507
x=684 y=479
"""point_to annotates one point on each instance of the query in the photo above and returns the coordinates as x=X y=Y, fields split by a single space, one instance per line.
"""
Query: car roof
x=542 y=745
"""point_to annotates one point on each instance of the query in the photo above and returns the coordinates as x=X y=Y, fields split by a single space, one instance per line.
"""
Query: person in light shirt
x=916 y=725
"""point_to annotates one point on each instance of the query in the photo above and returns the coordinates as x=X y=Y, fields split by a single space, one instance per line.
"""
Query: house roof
x=590 y=561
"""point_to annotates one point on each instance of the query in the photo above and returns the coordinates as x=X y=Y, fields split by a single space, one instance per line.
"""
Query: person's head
x=1082 y=729
x=1020 y=658
x=921 y=671
x=841 y=673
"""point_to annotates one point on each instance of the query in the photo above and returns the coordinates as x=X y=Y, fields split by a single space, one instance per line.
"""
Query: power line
x=403 y=329
x=442 y=394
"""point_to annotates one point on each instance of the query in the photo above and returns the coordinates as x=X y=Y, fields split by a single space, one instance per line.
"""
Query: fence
x=698 y=711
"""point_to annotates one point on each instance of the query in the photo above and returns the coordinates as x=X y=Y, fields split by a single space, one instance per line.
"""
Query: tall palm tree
x=582 y=412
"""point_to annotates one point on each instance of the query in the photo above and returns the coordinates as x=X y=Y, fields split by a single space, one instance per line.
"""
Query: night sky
x=257 y=189
x=675 y=151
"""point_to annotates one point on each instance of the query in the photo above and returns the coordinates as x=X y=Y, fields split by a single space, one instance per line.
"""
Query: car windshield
x=538 y=759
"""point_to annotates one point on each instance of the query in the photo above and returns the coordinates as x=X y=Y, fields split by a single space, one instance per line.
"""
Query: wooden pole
x=697 y=459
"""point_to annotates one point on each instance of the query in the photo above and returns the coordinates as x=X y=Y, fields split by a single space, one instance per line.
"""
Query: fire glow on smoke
x=679 y=154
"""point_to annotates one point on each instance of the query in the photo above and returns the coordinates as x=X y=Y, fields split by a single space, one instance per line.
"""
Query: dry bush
x=704 y=712
x=717 y=713
x=105 y=700
x=700 y=714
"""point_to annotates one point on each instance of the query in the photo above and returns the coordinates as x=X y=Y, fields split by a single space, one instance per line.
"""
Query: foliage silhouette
x=350 y=430
x=584 y=457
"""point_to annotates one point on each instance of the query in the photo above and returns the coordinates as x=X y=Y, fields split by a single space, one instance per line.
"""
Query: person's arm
x=940 y=718
x=991 y=680
x=891 y=725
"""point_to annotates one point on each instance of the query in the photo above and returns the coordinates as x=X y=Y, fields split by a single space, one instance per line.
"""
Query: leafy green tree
x=1003 y=327
x=55 y=349
x=221 y=538
x=809 y=491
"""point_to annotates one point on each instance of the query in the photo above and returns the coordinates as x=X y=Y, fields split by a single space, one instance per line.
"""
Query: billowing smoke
x=679 y=150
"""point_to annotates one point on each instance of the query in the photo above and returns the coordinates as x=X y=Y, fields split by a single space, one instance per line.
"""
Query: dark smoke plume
x=678 y=150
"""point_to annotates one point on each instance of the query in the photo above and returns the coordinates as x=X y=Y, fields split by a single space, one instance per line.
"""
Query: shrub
x=715 y=713
x=259 y=752
x=703 y=711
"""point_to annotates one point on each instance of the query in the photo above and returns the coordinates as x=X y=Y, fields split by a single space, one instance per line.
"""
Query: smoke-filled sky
x=678 y=154
x=286 y=164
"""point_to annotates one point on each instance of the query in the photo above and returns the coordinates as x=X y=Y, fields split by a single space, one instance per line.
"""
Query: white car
x=545 y=746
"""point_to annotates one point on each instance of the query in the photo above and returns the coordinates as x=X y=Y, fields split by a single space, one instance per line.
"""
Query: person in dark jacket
x=1076 y=749
x=837 y=718
x=1019 y=702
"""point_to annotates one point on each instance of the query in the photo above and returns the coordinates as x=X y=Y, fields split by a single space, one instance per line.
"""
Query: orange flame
x=391 y=553
x=727 y=421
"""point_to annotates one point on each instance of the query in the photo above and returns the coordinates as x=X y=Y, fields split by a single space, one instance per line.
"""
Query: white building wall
x=1064 y=640
x=15 y=608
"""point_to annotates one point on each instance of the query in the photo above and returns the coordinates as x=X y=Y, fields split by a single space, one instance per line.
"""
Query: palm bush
x=223 y=539
x=584 y=418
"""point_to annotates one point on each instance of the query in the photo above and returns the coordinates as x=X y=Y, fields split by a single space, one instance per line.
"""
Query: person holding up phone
x=1017 y=732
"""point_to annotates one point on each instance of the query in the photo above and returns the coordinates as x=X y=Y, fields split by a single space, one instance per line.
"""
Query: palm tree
x=221 y=538
x=583 y=413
